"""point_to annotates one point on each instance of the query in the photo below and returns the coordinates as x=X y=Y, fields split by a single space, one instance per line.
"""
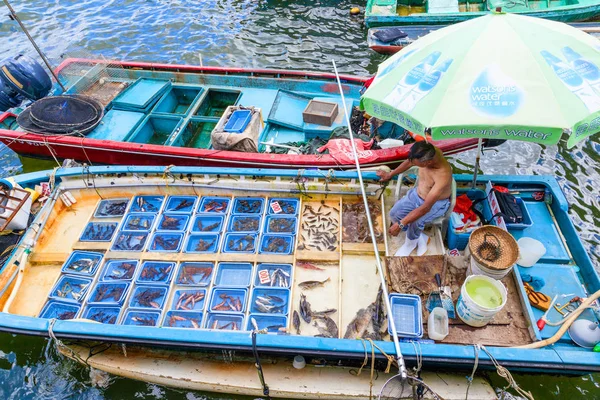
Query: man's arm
x=433 y=196
x=386 y=176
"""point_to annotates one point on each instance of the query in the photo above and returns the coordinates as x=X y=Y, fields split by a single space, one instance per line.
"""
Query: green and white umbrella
x=500 y=76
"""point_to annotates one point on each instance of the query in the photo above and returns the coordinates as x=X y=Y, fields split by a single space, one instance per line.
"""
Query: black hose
x=259 y=366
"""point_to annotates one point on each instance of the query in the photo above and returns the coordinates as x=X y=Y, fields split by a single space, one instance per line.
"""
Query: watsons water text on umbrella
x=494 y=94
x=499 y=133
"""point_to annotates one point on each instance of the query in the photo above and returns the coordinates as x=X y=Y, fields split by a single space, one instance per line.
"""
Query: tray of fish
x=270 y=301
x=129 y=241
x=141 y=317
x=139 y=222
x=269 y=323
x=111 y=208
x=170 y=242
x=104 y=315
x=224 y=322
x=276 y=244
x=158 y=272
x=286 y=206
x=355 y=228
x=320 y=227
x=180 y=204
x=214 y=205
x=233 y=274
x=188 y=300
x=228 y=300
x=151 y=204
x=59 y=310
x=70 y=288
x=240 y=243
x=207 y=223
x=280 y=224
x=119 y=270
x=82 y=263
x=273 y=275
x=147 y=296
x=173 y=222
x=106 y=293
x=183 y=319
x=98 y=232
x=195 y=273
x=244 y=223
x=248 y=205
x=202 y=243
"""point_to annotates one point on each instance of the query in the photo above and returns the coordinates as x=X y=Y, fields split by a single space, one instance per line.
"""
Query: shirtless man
x=425 y=203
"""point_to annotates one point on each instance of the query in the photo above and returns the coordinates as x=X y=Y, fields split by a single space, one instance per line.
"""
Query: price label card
x=264 y=277
x=276 y=207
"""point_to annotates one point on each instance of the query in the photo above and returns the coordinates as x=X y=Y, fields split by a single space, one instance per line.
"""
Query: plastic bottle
x=437 y=324
x=584 y=67
x=411 y=79
x=393 y=64
x=425 y=86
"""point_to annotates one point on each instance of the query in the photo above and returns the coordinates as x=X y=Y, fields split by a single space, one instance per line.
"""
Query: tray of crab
x=145 y=305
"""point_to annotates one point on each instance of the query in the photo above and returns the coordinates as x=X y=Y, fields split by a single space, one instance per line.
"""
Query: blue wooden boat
x=172 y=263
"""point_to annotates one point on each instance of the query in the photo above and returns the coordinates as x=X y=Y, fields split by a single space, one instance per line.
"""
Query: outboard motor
x=21 y=78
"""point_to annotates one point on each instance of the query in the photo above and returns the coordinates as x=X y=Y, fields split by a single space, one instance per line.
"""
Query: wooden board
x=414 y=275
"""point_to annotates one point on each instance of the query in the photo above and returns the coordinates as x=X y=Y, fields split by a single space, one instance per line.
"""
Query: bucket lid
x=493 y=247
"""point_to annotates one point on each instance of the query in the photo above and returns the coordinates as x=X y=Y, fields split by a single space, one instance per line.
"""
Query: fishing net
x=411 y=387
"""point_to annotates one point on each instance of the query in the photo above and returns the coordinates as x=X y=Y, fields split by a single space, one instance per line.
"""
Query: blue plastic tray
x=207 y=223
x=82 y=263
x=173 y=222
x=129 y=241
x=240 y=243
x=109 y=293
x=233 y=274
x=139 y=222
x=527 y=222
x=156 y=272
x=111 y=208
x=183 y=319
x=279 y=244
x=180 y=204
x=98 y=232
x=406 y=310
x=244 y=223
x=248 y=205
x=160 y=240
x=202 y=243
x=189 y=300
x=147 y=296
x=227 y=300
x=274 y=301
x=214 y=205
x=151 y=204
x=273 y=323
x=238 y=121
x=71 y=288
x=119 y=270
x=226 y=322
x=141 y=317
x=281 y=278
x=59 y=310
x=195 y=273
x=104 y=315
x=281 y=224
x=288 y=206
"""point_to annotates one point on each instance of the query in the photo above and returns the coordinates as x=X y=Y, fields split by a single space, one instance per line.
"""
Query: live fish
x=307 y=265
x=307 y=285
x=305 y=311
x=358 y=326
x=330 y=330
x=296 y=322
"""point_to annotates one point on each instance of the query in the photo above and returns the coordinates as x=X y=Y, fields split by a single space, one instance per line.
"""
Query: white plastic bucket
x=472 y=313
x=531 y=251
x=475 y=268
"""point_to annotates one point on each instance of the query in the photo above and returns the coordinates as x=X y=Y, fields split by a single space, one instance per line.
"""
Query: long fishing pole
x=401 y=365
x=14 y=16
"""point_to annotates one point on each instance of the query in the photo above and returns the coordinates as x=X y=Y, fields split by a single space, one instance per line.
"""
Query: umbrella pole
x=477 y=158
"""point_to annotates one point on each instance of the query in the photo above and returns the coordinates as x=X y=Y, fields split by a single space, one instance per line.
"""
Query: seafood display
x=176 y=319
x=70 y=288
x=309 y=266
x=147 y=203
x=268 y=324
x=141 y=318
x=307 y=285
x=98 y=232
x=205 y=223
x=173 y=222
x=273 y=275
x=224 y=322
x=166 y=242
x=369 y=322
x=214 y=205
x=119 y=270
x=276 y=244
x=191 y=273
x=228 y=300
x=82 y=263
x=156 y=272
x=182 y=204
x=139 y=222
x=244 y=223
x=109 y=293
x=148 y=297
x=270 y=301
x=321 y=320
x=104 y=315
x=320 y=227
x=202 y=243
x=59 y=310
x=355 y=227
x=240 y=243
x=189 y=300
x=248 y=205
x=111 y=208
x=281 y=224
x=283 y=206
x=129 y=241
x=326 y=326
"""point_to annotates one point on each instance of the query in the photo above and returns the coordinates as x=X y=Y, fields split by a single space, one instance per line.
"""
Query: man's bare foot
x=394 y=229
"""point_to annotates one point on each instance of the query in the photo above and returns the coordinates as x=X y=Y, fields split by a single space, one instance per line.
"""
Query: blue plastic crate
x=226 y=300
x=151 y=204
x=109 y=293
x=173 y=222
x=111 y=208
x=82 y=263
x=273 y=275
x=156 y=272
x=270 y=301
x=98 y=232
x=104 y=315
x=238 y=121
x=59 y=310
x=147 y=296
x=129 y=241
x=214 y=205
x=207 y=223
x=224 y=322
x=166 y=242
x=244 y=223
x=407 y=314
x=202 y=243
x=139 y=222
x=281 y=224
x=180 y=204
x=141 y=317
x=272 y=323
x=233 y=274
x=527 y=222
x=182 y=319
x=189 y=300
x=195 y=273
x=288 y=206
x=119 y=270
x=70 y=288
x=276 y=244
x=248 y=205
x=240 y=243
x=460 y=240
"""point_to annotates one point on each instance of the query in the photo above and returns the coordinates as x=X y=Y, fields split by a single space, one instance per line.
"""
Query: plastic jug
x=437 y=324
x=531 y=251
x=389 y=143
